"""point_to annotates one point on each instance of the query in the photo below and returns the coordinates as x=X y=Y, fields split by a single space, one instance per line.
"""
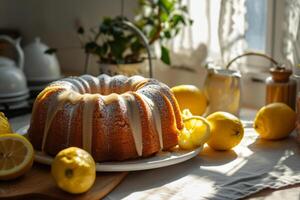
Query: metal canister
x=280 y=87
x=223 y=90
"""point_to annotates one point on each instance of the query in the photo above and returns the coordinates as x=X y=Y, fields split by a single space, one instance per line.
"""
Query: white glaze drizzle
x=134 y=121
x=156 y=119
x=54 y=107
x=72 y=108
x=87 y=121
x=46 y=121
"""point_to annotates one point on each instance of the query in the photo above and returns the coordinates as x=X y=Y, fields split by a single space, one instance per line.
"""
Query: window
x=259 y=35
x=256 y=17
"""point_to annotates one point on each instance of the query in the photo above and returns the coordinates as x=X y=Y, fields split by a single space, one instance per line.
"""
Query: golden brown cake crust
x=114 y=118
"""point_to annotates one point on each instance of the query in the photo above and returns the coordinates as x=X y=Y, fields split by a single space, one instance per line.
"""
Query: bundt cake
x=113 y=118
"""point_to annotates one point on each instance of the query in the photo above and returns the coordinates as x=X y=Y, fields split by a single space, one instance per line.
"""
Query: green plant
x=112 y=42
x=159 y=20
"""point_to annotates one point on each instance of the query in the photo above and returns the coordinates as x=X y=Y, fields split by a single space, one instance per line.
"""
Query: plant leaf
x=164 y=16
x=184 y=9
x=80 y=30
x=168 y=34
x=178 y=19
x=101 y=50
x=165 y=55
x=50 y=51
x=91 y=47
x=136 y=46
x=166 y=5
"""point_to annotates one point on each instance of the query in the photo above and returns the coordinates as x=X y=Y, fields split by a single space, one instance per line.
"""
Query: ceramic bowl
x=12 y=82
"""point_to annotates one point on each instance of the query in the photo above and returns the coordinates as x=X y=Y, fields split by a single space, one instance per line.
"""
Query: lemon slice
x=4 y=124
x=195 y=133
x=16 y=156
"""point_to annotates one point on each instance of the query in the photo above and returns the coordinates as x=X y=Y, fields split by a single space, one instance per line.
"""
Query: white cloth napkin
x=253 y=165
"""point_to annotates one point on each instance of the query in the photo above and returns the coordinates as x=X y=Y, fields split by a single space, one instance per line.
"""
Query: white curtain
x=217 y=33
x=291 y=39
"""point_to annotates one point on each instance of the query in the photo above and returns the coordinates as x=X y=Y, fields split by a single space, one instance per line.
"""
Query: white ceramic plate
x=162 y=159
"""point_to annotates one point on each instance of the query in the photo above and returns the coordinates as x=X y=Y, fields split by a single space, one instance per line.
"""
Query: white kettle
x=12 y=78
x=40 y=66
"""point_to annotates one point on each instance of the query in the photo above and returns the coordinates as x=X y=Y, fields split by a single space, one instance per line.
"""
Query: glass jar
x=223 y=89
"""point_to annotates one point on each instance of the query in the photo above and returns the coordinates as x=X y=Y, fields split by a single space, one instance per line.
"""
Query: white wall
x=54 y=22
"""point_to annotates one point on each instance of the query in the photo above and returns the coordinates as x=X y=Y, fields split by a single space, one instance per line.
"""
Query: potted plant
x=162 y=20
x=120 y=51
x=114 y=45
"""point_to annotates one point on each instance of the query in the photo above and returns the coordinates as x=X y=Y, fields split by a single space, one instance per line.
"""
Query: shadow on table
x=211 y=157
x=143 y=180
x=252 y=173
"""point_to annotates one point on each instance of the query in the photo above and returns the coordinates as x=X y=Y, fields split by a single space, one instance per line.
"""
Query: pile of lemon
x=222 y=130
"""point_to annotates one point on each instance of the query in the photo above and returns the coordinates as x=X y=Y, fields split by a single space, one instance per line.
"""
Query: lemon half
x=16 y=156
x=195 y=133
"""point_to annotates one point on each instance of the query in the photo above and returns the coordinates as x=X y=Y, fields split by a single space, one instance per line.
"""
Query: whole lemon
x=275 y=121
x=190 y=97
x=74 y=170
x=226 y=129
x=4 y=124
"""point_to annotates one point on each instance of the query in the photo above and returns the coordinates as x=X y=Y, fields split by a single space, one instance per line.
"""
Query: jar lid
x=280 y=73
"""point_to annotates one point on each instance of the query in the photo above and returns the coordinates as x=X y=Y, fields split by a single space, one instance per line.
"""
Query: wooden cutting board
x=39 y=184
